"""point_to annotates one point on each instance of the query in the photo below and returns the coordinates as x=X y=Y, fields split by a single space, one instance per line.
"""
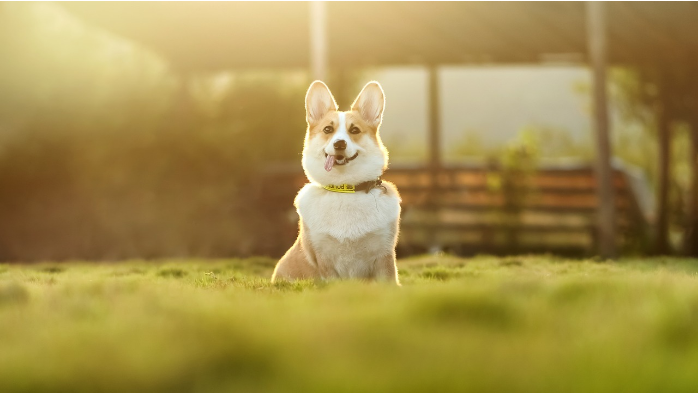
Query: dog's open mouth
x=337 y=160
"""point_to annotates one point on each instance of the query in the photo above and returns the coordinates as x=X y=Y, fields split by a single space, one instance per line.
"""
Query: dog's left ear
x=370 y=103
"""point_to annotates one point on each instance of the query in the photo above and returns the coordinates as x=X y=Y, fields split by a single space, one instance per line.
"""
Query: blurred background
x=148 y=130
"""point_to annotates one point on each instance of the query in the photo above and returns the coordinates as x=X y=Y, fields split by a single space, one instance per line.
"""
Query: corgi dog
x=349 y=217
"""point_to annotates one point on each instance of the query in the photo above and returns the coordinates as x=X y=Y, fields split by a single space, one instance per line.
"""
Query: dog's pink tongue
x=329 y=162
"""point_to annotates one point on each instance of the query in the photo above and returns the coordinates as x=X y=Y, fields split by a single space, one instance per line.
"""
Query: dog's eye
x=328 y=129
x=354 y=130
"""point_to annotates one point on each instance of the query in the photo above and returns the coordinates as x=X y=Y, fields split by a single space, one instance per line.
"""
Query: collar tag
x=342 y=188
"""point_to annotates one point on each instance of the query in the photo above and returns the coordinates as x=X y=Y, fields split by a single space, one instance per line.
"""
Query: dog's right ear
x=318 y=102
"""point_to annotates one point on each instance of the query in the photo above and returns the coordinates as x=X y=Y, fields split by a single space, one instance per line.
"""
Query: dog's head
x=344 y=147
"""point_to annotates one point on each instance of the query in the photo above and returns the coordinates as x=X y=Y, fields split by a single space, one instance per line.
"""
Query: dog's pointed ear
x=318 y=102
x=370 y=103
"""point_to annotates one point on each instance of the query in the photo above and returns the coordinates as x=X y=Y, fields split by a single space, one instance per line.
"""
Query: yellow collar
x=347 y=188
x=343 y=188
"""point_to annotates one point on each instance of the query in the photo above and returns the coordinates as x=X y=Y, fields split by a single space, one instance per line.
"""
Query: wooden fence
x=463 y=213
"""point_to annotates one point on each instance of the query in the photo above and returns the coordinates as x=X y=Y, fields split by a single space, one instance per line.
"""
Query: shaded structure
x=196 y=36
x=202 y=37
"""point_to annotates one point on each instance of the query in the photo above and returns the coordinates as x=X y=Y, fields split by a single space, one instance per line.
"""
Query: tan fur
x=295 y=265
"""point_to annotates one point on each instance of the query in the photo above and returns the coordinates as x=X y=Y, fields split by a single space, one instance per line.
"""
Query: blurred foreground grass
x=482 y=324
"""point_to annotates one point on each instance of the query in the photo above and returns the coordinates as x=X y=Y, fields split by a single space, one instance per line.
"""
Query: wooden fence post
x=664 y=116
x=691 y=234
x=435 y=158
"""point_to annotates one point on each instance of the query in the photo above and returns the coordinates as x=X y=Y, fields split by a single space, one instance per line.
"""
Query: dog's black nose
x=340 y=144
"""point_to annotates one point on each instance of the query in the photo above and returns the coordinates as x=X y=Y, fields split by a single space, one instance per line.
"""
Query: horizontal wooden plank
x=470 y=180
x=564 y=190
x=496 y=227
x=487 y=199
x=532 y=208
x=524 y=218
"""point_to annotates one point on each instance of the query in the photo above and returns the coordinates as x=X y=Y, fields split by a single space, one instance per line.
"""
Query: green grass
x=535 y=323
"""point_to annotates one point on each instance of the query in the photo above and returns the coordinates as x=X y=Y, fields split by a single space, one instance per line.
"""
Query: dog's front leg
x=327 y=270
x=385 y=269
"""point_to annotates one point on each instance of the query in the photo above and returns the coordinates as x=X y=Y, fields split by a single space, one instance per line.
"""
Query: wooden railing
x=460 y=212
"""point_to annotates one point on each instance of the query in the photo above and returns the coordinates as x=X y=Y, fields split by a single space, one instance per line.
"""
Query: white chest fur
x=346 y=216
x=348 y=230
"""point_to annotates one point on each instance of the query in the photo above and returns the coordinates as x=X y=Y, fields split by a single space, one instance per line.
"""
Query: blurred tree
x=515 y=168
x=662 y=99
x=107 y=153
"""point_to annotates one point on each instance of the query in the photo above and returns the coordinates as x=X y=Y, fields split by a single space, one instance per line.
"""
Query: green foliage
x=633 y=95
x=184 y=185
x=525 y=323
x=636 y=93
x=106 y=153
x=470 y=146
x=550 y=143
x=512 y=180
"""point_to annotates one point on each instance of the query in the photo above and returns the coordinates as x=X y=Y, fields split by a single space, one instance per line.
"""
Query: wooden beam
x=318 y=40
x=606 y=217
x=664 y=140
x=434 y=123
x=435 y=158
x=690 y=240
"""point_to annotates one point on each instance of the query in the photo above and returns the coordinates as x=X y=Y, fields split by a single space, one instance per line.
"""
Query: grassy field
x=535 y=323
